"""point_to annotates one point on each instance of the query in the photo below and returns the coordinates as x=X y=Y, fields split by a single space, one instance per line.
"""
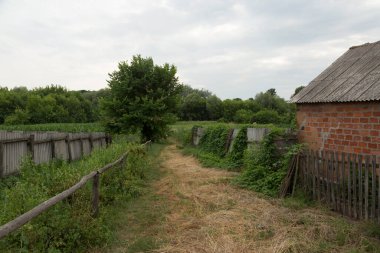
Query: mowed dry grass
x=208 y=214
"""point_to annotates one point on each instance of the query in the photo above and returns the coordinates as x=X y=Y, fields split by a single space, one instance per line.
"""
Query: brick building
x=340 y=109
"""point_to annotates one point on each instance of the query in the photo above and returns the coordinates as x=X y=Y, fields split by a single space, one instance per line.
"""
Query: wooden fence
x=94 y=176
x=45 y=146
x=347 y=183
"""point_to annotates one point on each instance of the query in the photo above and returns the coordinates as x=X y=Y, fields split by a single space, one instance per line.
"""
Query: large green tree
x=143 y=98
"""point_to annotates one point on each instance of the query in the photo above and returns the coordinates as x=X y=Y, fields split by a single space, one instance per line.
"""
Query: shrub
x=266 y=116
x=243 y=116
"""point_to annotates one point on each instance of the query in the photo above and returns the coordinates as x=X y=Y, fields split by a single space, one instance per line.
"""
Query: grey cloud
x=233 y=48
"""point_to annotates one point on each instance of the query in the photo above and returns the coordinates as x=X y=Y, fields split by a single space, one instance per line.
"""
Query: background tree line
x=51 y=104
x=55 y=104
x=265 y=107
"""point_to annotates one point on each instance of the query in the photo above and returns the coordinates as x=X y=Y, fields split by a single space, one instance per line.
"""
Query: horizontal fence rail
x=44 y=147
x=347 y=183
x=94 y=176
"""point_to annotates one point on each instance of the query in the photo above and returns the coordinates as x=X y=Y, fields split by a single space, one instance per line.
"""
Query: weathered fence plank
x=45 y=146
x=366 y=190
x=1 y=159
x=313 y=159
x=318 y=177
x=342 y=172
x=360 y=179
x=347 y=183
x=355 y=185
x=373 y=191
x=337 y=182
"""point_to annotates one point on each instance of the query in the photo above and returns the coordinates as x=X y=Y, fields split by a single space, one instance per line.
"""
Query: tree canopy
x=143 y=98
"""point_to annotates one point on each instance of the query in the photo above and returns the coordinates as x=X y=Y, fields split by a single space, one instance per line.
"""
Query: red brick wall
x=348 y=127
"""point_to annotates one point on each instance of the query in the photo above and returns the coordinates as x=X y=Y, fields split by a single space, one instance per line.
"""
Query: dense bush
x=266 y=116
x=68 y=226
x=243 y=116
x=264 y=167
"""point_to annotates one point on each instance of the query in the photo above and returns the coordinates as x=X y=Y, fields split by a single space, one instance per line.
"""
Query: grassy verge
x=138 y=222
x=328 y=231
x=68 y=226
x=60 y=127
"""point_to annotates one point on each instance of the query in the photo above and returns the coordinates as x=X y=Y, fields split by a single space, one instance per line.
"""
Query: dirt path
x=207 y=214
x=196 y=209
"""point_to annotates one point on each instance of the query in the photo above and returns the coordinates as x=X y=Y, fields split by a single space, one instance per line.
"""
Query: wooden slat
x=328 y=179
x=304 y=170
x=2 y=160
x=69 y=148
x=360 y=183
x=332 y=181
x=378 y=199
x=15 y=140
x=318 y=176
x=366 y=187
x=349 y=197
x=312 y=167
x=297 y=158
x=373 y=191
x=355 y=169
x=306 y=177
x=342 y=184
x=324 y=173
x=337 y=183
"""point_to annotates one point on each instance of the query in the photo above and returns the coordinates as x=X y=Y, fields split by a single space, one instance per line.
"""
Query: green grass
x=210 y=160
x=132 y=219
x=60 y=127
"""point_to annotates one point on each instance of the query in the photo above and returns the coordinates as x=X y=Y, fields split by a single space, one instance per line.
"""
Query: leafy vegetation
x=143 y=98
x=264 y=167
x=51 y=104
x=267 y=107
x=68 y=226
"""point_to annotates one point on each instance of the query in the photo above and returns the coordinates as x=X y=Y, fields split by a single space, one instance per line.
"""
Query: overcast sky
x=232 y=48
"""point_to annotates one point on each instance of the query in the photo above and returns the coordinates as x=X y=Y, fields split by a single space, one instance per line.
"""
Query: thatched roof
x=353 y=77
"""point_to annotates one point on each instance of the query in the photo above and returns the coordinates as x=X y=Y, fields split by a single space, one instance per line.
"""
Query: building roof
x=353 y=77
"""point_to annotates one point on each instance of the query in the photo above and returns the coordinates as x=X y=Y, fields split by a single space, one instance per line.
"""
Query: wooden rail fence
x=45 y=146
x=94 y=176
x=347 y=183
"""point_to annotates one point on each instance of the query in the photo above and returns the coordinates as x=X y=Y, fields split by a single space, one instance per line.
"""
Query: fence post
x=90 y=138
x=31 y=146
x=68 y=147
x=81 y=146
x=95 y=196
x=52 y=143
x=1 y=160
x=108 y=140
